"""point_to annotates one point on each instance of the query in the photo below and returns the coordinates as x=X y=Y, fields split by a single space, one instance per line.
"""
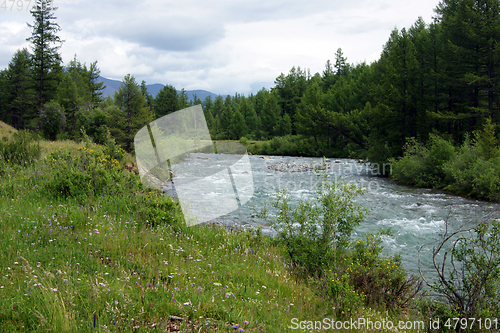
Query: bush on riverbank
x=472 y=169
x=350 y=273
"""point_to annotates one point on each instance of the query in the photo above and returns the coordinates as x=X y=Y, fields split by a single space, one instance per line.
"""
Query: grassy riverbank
x=86 y=249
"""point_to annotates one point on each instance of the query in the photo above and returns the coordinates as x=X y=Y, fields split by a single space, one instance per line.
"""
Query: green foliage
x=165 y=101
x=21 y=149
x=290 y=145
x=89 y=172
x=132 y=102
x=316 y=234
x=381 y=280
x=469 y=275
x=424 y=166
x=52 y=119
x=471 y=169
x=45 y=42
x=19 y=102
x=317 y=237
x=244 y=141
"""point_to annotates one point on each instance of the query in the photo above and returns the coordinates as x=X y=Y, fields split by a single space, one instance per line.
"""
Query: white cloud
x=224 y=46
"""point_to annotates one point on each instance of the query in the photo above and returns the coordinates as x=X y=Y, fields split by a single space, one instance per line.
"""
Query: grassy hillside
x=6 y=130
x=84 y=248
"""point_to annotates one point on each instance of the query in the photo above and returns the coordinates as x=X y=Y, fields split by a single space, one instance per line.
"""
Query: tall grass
x=122 y=260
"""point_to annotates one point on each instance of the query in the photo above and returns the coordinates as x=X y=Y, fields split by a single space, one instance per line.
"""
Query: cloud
x=224 y=46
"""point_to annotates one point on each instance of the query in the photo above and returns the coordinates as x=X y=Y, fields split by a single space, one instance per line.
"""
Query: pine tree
x=225 y=120
x=165 y=101
x=95 y=87
x=271 y=114
x=147 y=95
x=45 y=45
x=20 y=94
x=132 y=102
x=238 y=128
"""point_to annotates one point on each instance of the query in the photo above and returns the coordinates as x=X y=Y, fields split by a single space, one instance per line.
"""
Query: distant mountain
x=153 y=89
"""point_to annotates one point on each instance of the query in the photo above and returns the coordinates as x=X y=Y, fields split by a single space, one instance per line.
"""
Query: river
x=416 y=216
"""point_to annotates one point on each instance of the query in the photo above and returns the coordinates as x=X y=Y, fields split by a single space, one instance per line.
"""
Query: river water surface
x=416 y=216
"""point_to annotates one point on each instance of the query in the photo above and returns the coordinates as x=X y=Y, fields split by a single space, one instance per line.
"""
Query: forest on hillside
x=432 y=78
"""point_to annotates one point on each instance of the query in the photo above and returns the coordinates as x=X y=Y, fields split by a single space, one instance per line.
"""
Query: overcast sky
x=223 y=46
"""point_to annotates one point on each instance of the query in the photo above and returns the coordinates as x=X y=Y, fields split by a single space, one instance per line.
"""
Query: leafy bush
x=424 y=165
x=21 y=149
x=381 y=280
x=289 y=145
x=316 y=234
x=160 y=209
x=87 y=172
x=469 y=275
x=52 y=119
x=317 y=237
x=473 y=169
x=244 y=141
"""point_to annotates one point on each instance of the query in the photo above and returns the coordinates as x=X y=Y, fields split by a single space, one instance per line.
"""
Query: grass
x=6 y=130
x=124 y=262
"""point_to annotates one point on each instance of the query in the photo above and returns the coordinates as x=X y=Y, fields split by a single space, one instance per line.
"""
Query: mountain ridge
x=153 y=89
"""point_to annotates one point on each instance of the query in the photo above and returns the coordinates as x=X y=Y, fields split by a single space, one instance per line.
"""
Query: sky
x=223 y=46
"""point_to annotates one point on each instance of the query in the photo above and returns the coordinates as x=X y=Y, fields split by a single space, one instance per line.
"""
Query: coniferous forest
x=433 y=78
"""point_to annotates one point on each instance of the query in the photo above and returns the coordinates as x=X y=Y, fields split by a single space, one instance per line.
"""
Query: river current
x=416 y=216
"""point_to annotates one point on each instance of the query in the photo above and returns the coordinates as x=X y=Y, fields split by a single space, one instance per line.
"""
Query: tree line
x=439 y=77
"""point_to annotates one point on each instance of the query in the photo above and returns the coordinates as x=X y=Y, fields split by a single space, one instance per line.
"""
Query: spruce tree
x=45 y=45
x=132 y=102
x=165 y=101
x=20 y=94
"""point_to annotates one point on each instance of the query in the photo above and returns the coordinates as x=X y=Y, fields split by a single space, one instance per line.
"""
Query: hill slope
x=6 y=130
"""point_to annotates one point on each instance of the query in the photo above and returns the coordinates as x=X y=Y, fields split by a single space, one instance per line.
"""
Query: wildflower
x=116 y=302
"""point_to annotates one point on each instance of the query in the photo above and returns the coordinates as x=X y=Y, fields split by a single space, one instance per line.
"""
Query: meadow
x=85 y=248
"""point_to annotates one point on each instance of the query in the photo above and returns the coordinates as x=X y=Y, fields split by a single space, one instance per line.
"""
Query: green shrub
x=52 y=119
x=21 y=149
x=244 y=141
x=381 y=280
x=158 y=209
x=424 y=166
x=86 y=173
x=468 y=278
x=317 y=233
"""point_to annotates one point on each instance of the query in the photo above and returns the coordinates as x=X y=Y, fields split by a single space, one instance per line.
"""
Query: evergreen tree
x=165 y=101
x=182 y=100
x=45 y=44
x=329 y=77
x=271 y=114
x=69 y=97
x=472 y=29
x=224 y=121
x=19 y=90
x=147 y=95
x=95 y=87
x=132 y=102
x=238 y=127
x=341 y=65
x=207 y=111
